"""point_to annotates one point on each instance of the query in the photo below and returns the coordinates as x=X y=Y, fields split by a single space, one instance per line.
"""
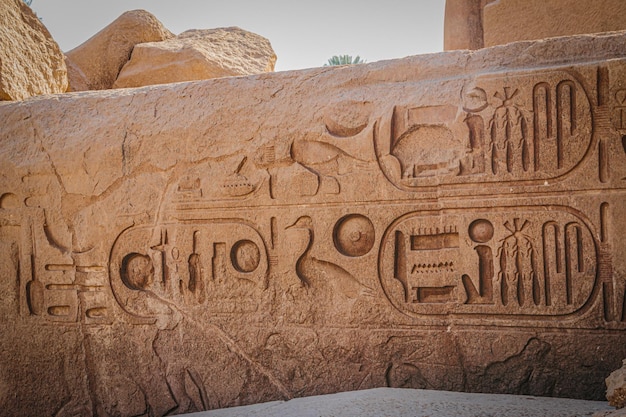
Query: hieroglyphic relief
x=422 y=216
x=498 y=262
x=53 y=283
x=221 y=264
x=502 y=130
x=618 y=116
x=334 y=283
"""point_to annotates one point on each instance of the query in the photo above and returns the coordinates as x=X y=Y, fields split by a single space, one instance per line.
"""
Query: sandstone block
x=463 y=28
x=198 y=55
x=31 y=62
x=473 y=24
x=449 y=222
x=97 y=62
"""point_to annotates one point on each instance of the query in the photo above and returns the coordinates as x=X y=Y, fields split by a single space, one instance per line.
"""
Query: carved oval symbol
x=526 y=261
x=511 y=128
x=137 y=271
x=245 y=256
x=216 y=263
x=354 y=235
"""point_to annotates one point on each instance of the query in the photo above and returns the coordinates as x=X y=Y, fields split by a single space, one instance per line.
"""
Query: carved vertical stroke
x=603 y=161
x=25 y=279
x=485 y=272
x=614 y=294
x=273 y=237
x=196 y=283
x=399 y=268
x=603 y=101
x=604 y=222
x=162 y=247
x=603 y=86
x=560 y=116
x=219 y=256
x=540 y=133
x=476 y=164
x=393 y=129
x=481 y=231
x=551 y=252
x=34 y=289
x=623 y=316
x=573 y=257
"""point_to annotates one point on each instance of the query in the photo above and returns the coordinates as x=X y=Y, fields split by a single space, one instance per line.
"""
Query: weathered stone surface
x=473 y=24
x=415 y=403
x=611 y=413
x=31 y=62
x=198 y=55
x=97 y=62
x=449 y=222
x=616 y=387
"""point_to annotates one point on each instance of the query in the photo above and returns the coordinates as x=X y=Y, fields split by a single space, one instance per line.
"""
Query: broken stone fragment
x=616 y=387
x=198 y=55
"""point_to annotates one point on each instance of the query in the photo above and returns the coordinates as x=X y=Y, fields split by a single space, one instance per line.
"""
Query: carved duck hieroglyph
x=318 y=273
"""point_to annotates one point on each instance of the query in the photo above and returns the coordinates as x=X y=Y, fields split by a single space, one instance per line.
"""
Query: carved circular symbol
x=137 y=271
x=245 y=256
x=480 y=231
x=474 y=99
x=354 y=235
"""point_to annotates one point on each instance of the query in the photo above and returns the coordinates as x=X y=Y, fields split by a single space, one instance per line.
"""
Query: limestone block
x=198 y=55
x=451 y=222
x=31 y=62
x=96 y=63
x=616 y=387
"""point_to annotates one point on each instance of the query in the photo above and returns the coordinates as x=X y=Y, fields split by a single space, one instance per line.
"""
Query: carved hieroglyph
x=446 y=222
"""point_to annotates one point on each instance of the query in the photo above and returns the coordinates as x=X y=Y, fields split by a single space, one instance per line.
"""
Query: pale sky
x=304 y=34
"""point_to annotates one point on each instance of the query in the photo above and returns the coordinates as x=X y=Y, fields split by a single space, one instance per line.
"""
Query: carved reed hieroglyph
x=418 y=223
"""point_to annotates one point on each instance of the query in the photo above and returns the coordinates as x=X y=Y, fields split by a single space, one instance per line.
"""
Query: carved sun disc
x=480 y=231
x=354 y=235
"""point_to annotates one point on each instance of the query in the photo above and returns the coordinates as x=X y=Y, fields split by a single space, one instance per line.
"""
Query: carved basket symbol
x=526 y=262
x=500 y=130
x=219 y=264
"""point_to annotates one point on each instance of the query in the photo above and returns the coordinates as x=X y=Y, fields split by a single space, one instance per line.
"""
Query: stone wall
x=451 y=221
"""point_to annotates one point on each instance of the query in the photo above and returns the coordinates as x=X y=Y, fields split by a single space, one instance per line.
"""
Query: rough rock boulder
x=95 y=64
x=31 y=62
x=197 y=55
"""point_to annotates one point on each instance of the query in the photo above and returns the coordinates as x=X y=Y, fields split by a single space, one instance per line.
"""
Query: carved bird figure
x=315 y=272
x=327 y=161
